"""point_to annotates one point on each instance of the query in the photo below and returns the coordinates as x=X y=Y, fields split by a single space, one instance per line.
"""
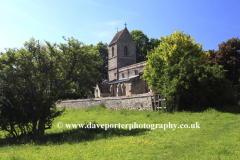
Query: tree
x=228 y=56
x=141 y=41
x=176 y=68
x=33 y=77
x=172 y=49
x=153 y=43
x=75 y=92
x=103 y=69
x=143 y=45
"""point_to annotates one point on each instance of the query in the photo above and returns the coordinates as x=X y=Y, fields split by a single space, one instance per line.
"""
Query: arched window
x=123 y=75
x=112 y=51
x=125 y=50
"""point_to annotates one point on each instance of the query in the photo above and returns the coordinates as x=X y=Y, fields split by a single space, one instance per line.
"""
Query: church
x=124 y=74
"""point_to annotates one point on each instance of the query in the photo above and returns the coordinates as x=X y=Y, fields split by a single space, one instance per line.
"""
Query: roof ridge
x=117 y=36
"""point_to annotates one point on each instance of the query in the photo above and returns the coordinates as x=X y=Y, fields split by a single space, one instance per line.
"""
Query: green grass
x=217 y=138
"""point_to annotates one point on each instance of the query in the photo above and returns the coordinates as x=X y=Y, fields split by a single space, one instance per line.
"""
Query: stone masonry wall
x=140 y=102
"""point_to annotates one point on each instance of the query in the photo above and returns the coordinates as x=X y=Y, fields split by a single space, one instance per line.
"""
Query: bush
x=198 y=87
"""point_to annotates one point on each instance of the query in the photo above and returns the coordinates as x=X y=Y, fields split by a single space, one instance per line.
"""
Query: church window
x=123 y=90
x=112 y=51
x=123 y=75
x=125 y=50
x=136 y=72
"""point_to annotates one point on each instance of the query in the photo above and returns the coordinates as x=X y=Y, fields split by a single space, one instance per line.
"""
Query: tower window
x=125 y=50
x=112 y=51
x=123 y=75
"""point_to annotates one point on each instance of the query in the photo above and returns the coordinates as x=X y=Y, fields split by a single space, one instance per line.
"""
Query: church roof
x=123 y=79
x=116 y=37
x=104 y=88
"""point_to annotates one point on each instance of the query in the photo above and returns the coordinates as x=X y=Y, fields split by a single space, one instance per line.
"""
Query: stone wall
x=139 y=102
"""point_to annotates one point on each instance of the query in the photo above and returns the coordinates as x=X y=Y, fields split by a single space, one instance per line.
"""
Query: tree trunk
x=34 y=128
x=41 y=126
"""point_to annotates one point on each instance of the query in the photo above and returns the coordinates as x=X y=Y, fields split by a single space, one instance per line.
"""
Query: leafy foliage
x=103 y=69
x=143 y=45
x=76 y=92
x=34 y=77
x=198 y=86
x=153 y=43
x=177 y=68
x=172 y=49
x=228 y=56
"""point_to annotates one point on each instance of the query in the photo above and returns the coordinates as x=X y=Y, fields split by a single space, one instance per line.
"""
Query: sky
x=209 y=22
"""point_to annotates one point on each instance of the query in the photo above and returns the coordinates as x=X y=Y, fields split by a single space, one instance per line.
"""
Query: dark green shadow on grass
x=230 y=109
x=234 y=109
x=71 y=136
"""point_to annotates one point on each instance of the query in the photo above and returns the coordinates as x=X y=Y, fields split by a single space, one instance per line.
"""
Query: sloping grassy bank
x=217 y=138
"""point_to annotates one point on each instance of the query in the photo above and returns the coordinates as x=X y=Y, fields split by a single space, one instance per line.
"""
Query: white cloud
x=114 y=23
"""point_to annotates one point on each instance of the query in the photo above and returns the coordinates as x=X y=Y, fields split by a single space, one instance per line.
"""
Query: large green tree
x=33 y=77
x=171 y=51
x=228 y=55
x=177 y=69
x=76 y=92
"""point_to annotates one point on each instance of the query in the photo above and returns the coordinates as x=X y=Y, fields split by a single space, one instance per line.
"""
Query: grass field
x=217 y=138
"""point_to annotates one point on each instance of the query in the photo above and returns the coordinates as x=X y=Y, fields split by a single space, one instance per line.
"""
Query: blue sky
x=209 y=22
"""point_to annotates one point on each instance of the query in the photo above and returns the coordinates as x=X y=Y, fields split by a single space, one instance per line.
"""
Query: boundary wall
x=138 y=102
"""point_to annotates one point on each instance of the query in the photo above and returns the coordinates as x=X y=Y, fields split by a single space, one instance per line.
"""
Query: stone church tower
x=122 y=52
x=124 y=74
